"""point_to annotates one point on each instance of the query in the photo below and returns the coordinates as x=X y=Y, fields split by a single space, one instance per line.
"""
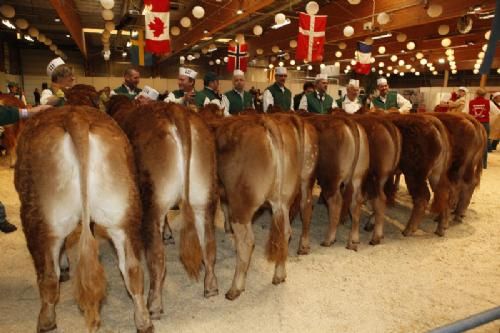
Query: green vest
x=281 y=99
x=8 y=115
x=391 y=101
x=314 y=104
x=341 y=100
x=122 y=90
x=238 y=104
x=199 y=97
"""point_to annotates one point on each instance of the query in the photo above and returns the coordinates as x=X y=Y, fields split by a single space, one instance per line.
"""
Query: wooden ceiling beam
x=66 y=9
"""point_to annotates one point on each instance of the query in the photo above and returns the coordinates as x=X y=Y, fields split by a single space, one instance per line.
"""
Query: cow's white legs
x=204 y=222
x=245 y=243
x=334 y=210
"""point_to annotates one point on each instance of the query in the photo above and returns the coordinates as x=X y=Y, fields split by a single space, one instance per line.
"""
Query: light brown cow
x=11 y=132
x=175 y=156
x=75 y=164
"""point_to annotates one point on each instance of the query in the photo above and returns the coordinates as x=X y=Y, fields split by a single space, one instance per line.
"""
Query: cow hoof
x=327 y=243
x=303 y=250
x=439 y=232
x=156 y=314
x=64 y=276
x=278 y=280
x=407 y=232
x=210 y=293
x=50 y=328
x=352 y=246
x=375 y=242
x=233 y=294
x=369 y=227
x=149 y=329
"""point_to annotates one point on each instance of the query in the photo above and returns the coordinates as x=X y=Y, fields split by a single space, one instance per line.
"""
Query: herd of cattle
x=125 y=172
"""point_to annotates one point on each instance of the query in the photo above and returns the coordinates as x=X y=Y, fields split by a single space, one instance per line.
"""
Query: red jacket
x=479 y=107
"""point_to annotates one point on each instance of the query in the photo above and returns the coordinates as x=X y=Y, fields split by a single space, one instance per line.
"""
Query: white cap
x=464 y=89
x=322 y=77
x=53 y=65
x=238 y=72
x=280 y=71
x=149 y=92
x=496 y=94
x=187 y=72
x=381 y=81
x=354 y=83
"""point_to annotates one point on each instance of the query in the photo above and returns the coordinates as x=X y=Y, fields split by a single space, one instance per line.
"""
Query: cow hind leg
x=334 y=209
x=379 y=205
x=130 y=267
x=357 y=201
x=64 y=264
x=277 y=247
x=306 y=217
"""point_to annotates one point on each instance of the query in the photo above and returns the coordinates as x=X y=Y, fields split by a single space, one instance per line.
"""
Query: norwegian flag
x=363 y=56
x=237 y=57
x=311 y=37
x=157 y=18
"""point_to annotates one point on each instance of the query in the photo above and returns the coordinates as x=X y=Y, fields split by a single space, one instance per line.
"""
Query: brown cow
x=426 y=155
x=175 y=156
x=92 y=177
x=11 y=132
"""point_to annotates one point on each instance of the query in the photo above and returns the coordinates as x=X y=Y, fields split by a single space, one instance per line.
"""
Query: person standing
x=212 y=93
x=457 y=105
x=351 y=102
x=479 y=108
x=277 y=94
x=36 y=93
x=129 y=87
x=389 y=99
x=306 y=88
x=238 y=98
x=318 y=101
x=62 y=77
x=186 y=94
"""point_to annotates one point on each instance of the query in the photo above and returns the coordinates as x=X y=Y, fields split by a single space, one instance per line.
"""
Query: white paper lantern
x=445 y=42
x=476 y=71
x=498 y=70
x=185 y=22
x=109 y=25
x=451 y=58
x=257 y=30
x=106 y=34
x=240 y=38
x=407 y=66
x=293 y=43
x=487 y=35
x=401 y=62
x=287 y=56
x=53 y=47
x=372 y=60
x=175 y=31
x=381 y=49
x=198 y=12
x=412 y=70
x=394 y=58
x=368 y=41
x=211 y=62
x=434 y=10
x=107 y=4
x=353 y=62
x=48 y=41
x=21 y=23
x=190 y=57
x=273 y=58
x=381 y=64
x=454 y=71
x=401 y=37
x=33 y=32
x=410 y=46
x=292 y=62
x=480 y=55
x=107 y=14
x=280 y=18
x=383 y=18
x=485 y=47
x=395 y=71
x=275 y=48
x=7 y=11
x=450 y=52
x=419 y=55
x=41 y=38
x=197 y=55
x=217 y=61
x=354 y=2
x=443 y=29
x=423 y=61
x=389 y=68
x=338 y=54
x=259 y=51
x=381 y=72
x=348 y=31
x=312 y=8
x=342 y=45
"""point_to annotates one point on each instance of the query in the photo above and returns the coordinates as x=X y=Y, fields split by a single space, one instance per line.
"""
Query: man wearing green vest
x=129 y=87
x=277 y=94
x=351 y=102
x=62 y=77
x=238 y=98
x=318 y=101
x=211 y=91
x=306 y=88
x=389 y=99
x=186 y=94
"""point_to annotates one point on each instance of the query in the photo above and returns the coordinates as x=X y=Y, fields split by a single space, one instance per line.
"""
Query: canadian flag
x=311 y=37
x=157 y=18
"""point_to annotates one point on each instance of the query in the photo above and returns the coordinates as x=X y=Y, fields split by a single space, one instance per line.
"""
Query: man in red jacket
x=479 y=107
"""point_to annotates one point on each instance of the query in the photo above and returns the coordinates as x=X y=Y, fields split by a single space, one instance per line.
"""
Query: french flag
x=363 y=56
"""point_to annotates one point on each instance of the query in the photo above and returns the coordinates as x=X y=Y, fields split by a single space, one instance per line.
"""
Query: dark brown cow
x=175 y=156
x=75 y=164
x=426 y=155
x=11 y=133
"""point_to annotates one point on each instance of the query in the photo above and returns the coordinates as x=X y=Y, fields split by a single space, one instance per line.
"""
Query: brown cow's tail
x=90 y=281
x=190 y=248
x=277 y=246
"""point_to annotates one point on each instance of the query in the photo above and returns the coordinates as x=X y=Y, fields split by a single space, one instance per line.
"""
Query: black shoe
x=7 y=227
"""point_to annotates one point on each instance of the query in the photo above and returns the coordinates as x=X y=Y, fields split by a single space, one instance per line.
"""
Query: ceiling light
x=441 y=60
x=124 y=54
x=239 y=12
x=28 y=38
x=310 y=67
x=57 y=20
x=8 y=24
x=223 y=40
x=298 y=68
x=417 y=73
x=454 y=71
x=382 y=36
x=205 y=32
x=129 y=44
x=277 y=26
x=69 y=36
x=486 y=17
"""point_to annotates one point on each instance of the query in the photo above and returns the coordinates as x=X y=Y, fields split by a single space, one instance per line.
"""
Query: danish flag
x=157 y=18
x=311 y=37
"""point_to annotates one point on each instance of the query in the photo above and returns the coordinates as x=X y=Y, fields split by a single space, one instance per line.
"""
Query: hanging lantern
x=354 y=2
x=394 y=58
x=445 y=42
x=401 y=62
x=293 y=43
x=450 y=52
x=401 y=37
x=259 y=51
x=423 y=61
x=383 y=18
x=22 y=23
x=273 y=58
x=240 y=38
x=109 y=26
x=312 y=8
x=106 y=34
x=217 y=61
x=487 y=35
x=107 y=4
x=53 y=47
x=185 y=22
x=107 y=15
x=175 y=30
x=338 y=54
x=368 y=41
x=342 y=45
x=33 y=32
x=7 y=11
x=292 y=62
x=381 y=64
x=41 y=38
x=348 y=31
x=434 y=10
x=190 y=57
x=198 y=12
x=443 y=29
x=211 y=62
x=381 y=49
x=257 y=30
x=280 y=18
x=287 y=56
x=48 y=41
x=410 y=46
x=419 y=55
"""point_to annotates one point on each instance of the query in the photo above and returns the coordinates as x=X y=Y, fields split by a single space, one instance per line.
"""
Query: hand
x=189 y=97
x=37 y=109
x=142 y=100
